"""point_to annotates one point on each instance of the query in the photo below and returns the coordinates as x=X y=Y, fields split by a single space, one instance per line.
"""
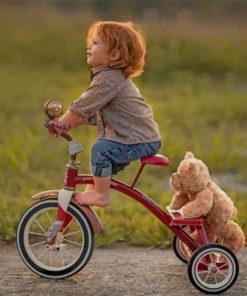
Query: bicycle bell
x=53 y=108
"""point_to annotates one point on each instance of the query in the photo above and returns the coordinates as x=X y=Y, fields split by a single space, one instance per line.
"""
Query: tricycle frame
x=176 y=225
x=204 y=258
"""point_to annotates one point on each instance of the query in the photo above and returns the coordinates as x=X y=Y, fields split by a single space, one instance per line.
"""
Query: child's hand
x=58 y=127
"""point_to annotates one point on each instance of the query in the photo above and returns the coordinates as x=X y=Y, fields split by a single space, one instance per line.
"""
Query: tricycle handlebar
x=67 y=137
x=74 y=148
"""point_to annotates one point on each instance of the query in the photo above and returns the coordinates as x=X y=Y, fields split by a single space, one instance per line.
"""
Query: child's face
x=97 y=52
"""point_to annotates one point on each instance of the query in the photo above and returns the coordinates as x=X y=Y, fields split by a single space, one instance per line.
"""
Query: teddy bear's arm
x=179 y=199
x=200 y=206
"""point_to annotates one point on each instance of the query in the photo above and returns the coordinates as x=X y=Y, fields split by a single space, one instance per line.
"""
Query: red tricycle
x=212 y=268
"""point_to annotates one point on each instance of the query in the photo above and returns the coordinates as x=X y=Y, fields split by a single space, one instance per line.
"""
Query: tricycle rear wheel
x=182 y=252
x=213 y=269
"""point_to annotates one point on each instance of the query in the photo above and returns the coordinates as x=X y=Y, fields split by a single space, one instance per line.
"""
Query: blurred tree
x=120 y=9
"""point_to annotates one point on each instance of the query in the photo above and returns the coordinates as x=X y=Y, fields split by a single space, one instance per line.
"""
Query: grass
x=195 y=82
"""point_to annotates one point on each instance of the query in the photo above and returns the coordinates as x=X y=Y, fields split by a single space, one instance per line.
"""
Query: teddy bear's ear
x=189 y=154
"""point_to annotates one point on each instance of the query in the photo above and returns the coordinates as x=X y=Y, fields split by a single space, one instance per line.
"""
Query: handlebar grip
x=51 y=126
x=48 y=126
x=66 y=137
x=74 y=148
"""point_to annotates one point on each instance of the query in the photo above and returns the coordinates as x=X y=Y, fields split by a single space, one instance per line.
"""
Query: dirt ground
x=117 y=271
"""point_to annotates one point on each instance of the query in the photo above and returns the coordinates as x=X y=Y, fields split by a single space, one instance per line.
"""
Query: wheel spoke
x=48 y=216
x=211 y=257
x=43 y=253
x=51 y=258
x=61 y=255
x=36 y=233
x=203 y=272
x=215 y=279
x=207 y=276
x=223 y=273
x=72 y=233
x=73 y=243
x=203 y=262
x=38 y=244
x=69 y=253
x=40 y=226
x=67 y=226
x=222 y=266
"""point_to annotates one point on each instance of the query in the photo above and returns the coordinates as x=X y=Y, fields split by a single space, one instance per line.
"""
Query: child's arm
x=68 y=121
x=72 y=118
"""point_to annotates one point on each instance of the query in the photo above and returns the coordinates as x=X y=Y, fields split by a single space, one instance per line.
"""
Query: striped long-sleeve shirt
x=115 y=105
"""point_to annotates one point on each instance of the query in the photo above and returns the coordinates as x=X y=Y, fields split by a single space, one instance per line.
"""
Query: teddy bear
x=197 y=195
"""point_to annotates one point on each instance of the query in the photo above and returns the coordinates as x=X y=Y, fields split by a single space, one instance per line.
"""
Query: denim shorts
x=109 y=157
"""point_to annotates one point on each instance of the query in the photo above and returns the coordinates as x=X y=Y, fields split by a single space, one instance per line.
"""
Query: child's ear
x=115 y=55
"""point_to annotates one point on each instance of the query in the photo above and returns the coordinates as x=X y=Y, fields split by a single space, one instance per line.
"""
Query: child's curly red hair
x=129 y=42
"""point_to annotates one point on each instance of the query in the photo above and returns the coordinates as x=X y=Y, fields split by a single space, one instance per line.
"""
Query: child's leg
x=99 y=196
x=107 y=158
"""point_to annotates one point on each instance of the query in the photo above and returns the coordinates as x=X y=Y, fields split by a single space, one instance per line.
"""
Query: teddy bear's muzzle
x=174 y=181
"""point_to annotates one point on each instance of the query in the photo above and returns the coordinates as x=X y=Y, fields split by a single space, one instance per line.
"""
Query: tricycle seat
x=157 y=159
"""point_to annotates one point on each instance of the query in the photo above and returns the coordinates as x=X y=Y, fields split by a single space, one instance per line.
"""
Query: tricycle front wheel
x=70 y=251
x=213 y=269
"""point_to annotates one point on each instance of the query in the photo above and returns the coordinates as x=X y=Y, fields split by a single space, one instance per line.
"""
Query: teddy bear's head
x=192 y=175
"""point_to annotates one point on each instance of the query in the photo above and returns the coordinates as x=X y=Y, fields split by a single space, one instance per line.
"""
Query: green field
x=195 y=80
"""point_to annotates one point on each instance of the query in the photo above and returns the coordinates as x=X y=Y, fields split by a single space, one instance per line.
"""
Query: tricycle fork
x=88 y=211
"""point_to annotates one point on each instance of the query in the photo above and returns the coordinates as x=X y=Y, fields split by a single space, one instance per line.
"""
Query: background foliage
x=195 y=80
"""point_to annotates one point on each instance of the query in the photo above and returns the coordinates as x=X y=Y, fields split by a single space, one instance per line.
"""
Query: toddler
x=126 y=130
